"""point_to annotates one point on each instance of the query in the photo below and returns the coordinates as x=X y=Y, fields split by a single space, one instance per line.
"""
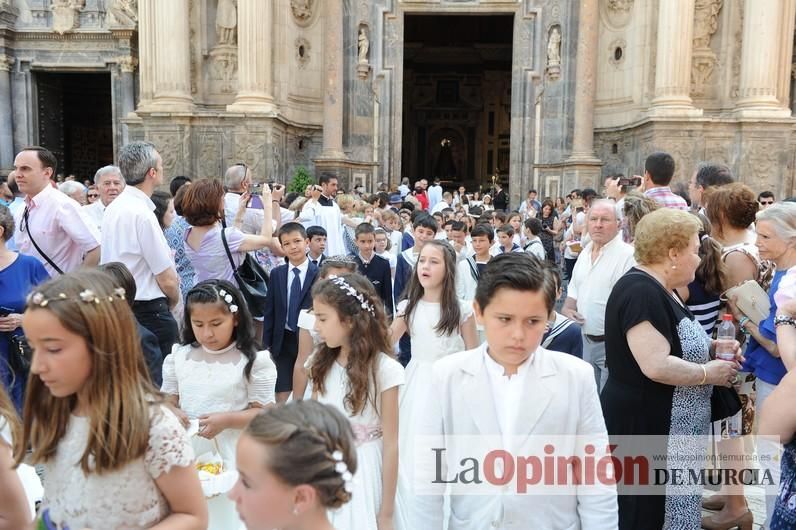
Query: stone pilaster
x=6 y=120
x=762 y=34
x=165 y=56
x=333 y=81
x=582 y=164
x=255 y=65
x=127 y=67
x=673 y=60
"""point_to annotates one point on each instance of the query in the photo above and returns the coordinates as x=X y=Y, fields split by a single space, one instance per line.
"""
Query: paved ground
x=756 y=501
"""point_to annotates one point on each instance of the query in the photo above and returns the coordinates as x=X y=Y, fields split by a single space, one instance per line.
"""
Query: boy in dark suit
x=288 y=293
x=317 y=244
x=373 y=267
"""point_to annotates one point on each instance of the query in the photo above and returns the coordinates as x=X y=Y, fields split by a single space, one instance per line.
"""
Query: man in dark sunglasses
x=765 y=199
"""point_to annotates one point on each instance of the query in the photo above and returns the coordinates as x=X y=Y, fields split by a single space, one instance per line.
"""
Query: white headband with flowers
x=350 y=291
x=87 y=295
x=227 y=298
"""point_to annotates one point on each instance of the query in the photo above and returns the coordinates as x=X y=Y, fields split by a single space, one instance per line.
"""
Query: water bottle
x=725 y=339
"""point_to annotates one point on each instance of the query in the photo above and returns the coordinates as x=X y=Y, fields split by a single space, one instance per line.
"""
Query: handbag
x=724 y=403
x=751 y=299
x=250 y=277
x=20 y=354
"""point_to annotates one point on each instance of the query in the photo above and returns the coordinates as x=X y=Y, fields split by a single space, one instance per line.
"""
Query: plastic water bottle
x=725 y=339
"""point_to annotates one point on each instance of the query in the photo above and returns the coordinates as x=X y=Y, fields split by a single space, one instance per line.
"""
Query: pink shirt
x=60 y=228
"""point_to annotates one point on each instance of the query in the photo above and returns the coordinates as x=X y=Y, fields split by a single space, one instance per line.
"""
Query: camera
x=630 y=181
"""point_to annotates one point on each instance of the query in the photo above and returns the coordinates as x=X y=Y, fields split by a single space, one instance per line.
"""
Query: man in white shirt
x=237 y=181
x=444 y=202
x=435 y=196
x=51 y=227
x=131 y=235
x=600 y=265
x=329 y=216
x=110 y=183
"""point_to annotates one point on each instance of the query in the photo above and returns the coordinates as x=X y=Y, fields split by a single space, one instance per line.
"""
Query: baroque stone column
x=165 y=56
x=127 y=67
x=673 y=60
x=255 y=66
x=6 y=130
x=762 y=33
x=333 y=83
x=583 y=166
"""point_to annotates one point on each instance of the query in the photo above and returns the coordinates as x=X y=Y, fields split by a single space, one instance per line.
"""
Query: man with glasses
x=238 y=181
x=765 y=199
x=110 y=183
x=51 y=227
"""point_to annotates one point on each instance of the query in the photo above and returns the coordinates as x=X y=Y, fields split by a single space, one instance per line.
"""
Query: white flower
x=233 y=308
x=337 y=456
x=228 y=298
x=340 y=467
x=87 y=295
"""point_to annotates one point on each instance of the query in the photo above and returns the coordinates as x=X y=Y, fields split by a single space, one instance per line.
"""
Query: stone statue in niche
x=226 y=22
x=554 y=47
x=363 y=45
x=65 y=14
x=123 y=13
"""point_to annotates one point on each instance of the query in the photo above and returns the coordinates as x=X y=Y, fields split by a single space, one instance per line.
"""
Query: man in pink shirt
x=52 y=227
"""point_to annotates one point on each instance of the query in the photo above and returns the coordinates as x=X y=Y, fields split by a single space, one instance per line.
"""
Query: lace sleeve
x=263 y=380
x=169 y=385
x=169 y=444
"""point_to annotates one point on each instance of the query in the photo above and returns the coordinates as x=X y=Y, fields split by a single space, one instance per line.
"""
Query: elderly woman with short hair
x=660 y=372
x=18 y=275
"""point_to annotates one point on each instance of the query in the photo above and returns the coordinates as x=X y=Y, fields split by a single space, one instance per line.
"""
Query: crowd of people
x=225 y=354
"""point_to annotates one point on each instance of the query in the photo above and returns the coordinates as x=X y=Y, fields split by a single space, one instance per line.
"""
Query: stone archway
x=526 y=68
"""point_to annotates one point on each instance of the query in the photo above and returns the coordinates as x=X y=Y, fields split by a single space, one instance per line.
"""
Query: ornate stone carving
x=123 y=13
x=209 y=160
x=250 y=151
x=302 y=46
x=706 y=21
x=735 y=88
x=169 y=146
x=127 y=64
x=302 y=11
x=66 y=14
x=760 y=164
x=704 y=61
x=554 y=53
x=363 y=45
x=224 y=66
x=617 y=12
x=6 y=63
x=226 y=22
x=617 y=57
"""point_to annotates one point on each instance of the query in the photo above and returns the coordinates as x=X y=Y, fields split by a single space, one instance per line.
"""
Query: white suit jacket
x=559 y=398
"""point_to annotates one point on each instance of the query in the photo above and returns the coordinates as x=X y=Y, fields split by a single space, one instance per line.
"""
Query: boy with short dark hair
x=317 y=244
x=505 y=234
x=469 y=269
x=288 y=293
x=510 y=394
x=373 y=267
x=534 y=246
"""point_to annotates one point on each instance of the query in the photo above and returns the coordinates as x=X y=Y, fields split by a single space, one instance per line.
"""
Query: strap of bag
x=36 y=246
x=226 y=245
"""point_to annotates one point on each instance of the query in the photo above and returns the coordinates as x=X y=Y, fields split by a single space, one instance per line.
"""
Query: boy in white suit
x=511 y=390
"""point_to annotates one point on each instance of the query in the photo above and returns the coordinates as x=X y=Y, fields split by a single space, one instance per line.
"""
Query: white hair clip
x=342 y=468
x=228 y=299
x=349 y=289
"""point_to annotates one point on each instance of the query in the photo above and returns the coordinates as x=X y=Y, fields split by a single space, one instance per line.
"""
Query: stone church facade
x=545 y=94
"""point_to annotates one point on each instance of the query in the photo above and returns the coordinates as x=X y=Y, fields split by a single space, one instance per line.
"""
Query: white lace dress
x=360 y=513
x=209 y=381
x=428 y=346
x=125 y=499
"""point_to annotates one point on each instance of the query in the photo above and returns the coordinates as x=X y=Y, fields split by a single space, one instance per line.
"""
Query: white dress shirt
x=592 y=282
x=131 y=234
x=303 y=268
x=95 y=211
x=506 y=394
x=60 y=228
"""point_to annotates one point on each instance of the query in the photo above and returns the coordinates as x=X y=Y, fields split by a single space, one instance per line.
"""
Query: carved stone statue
x=226 y=22
x=302 y=9
x=363 y=45
x=554 y=47
x=65 y=14
x=123 y=13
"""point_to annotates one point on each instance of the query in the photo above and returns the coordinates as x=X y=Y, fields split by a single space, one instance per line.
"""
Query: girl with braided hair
x=295 y=462
x=351 y=371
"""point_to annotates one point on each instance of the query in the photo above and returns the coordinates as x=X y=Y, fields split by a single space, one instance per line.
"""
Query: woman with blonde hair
x=661 y=374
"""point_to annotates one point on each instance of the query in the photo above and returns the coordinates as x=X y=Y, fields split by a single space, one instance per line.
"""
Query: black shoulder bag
x=36 y=246
x=250 y=277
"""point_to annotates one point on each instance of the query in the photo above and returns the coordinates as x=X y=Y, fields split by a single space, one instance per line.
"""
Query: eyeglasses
x=93 y=195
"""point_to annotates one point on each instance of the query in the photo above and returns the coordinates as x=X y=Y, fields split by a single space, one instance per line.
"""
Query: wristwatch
x=784 y=320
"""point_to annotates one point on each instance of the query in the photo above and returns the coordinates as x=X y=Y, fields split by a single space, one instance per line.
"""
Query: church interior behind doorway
x=457 y=98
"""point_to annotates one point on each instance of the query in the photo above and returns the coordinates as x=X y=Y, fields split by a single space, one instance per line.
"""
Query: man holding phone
x=237 y=181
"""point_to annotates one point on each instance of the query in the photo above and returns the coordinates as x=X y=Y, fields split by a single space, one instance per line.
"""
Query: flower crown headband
x=87 y=296
x=342 y=468
x=350 y=291
x=227 y=298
